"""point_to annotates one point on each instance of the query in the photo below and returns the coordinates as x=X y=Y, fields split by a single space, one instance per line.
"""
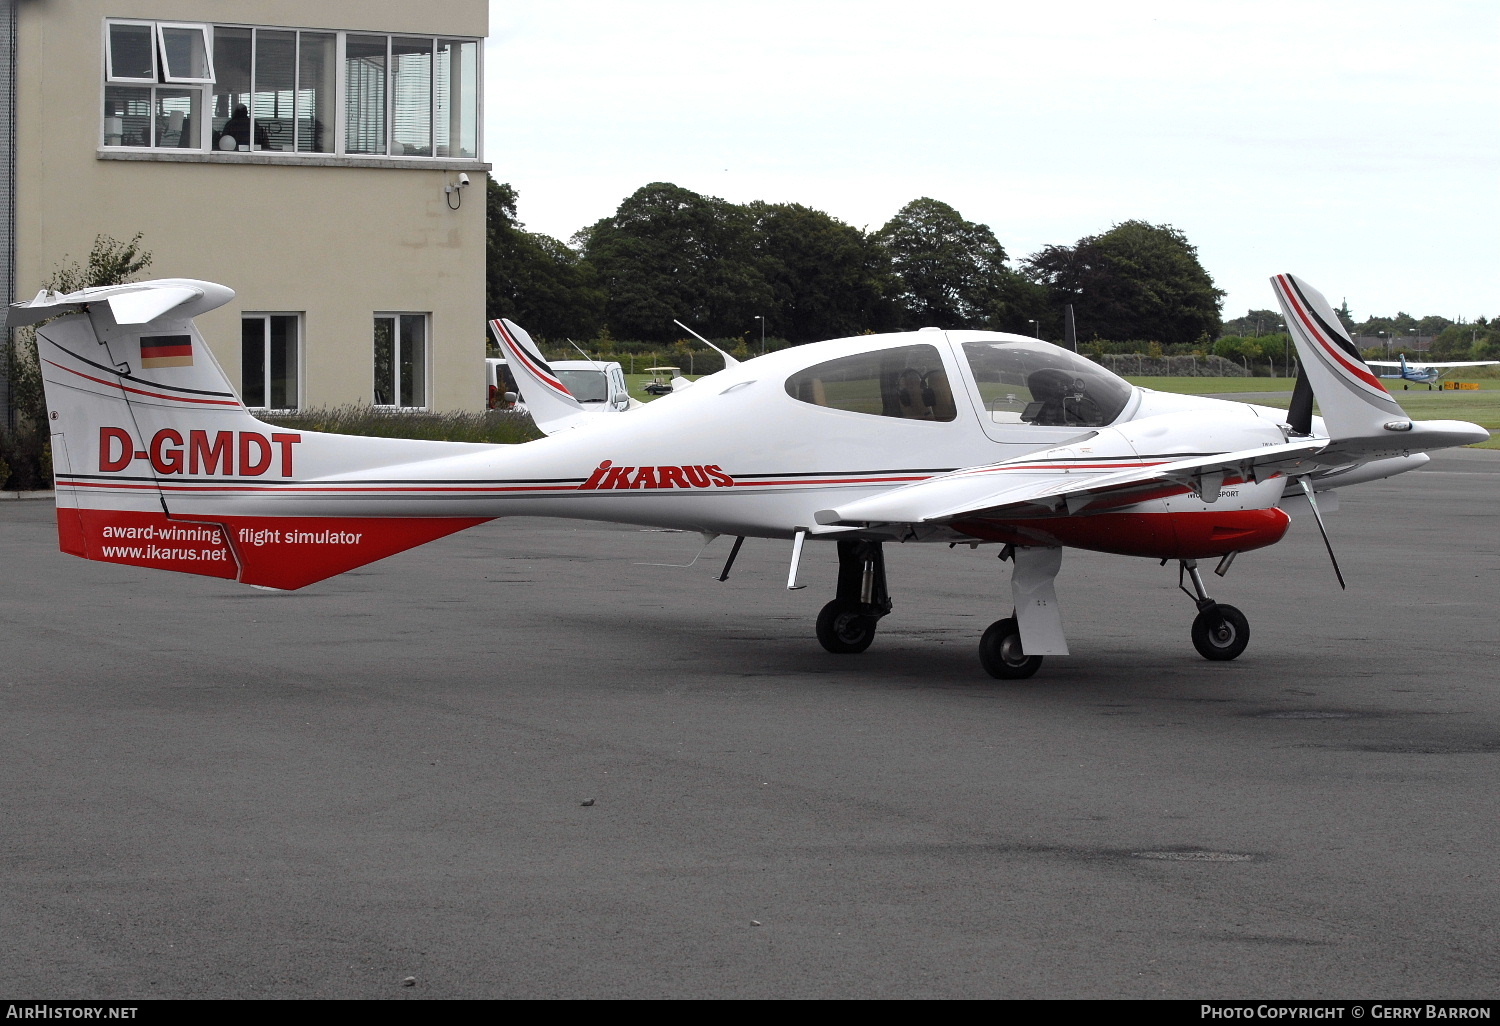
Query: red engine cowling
x=1157 y=535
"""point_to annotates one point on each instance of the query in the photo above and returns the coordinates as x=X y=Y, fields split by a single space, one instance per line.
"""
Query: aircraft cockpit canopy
x=1034 y=383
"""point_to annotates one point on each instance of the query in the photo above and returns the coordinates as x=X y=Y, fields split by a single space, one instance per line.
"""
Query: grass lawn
x=1212 y=386
x=636 y=384
x=1481 y=407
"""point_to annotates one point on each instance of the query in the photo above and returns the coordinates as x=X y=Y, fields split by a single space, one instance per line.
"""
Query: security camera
x=463 y=180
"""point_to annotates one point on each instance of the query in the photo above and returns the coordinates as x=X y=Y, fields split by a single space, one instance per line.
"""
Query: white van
x=598 y=386
x=498 y=385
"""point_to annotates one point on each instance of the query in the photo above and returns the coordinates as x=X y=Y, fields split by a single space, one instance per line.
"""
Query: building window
x=269 y=354
x=274 y=91
x=154 y=94
x=401 y=360
x=184 y=53
x=239 y=88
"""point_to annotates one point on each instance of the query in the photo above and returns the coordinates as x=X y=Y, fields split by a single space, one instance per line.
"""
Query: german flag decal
x=166 y=350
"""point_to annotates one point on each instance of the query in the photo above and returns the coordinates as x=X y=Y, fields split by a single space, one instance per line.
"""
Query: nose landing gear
x=847 y=624
x=1220 y=632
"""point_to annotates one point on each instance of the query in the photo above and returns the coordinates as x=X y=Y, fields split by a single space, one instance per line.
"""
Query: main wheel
x=1000 y=652
x=1220 y=632
x=844 y=630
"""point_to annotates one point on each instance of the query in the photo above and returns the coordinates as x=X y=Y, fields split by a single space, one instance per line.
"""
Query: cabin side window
x=908 y=382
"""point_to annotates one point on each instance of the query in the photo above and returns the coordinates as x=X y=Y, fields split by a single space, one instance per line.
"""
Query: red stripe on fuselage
x=153 y=395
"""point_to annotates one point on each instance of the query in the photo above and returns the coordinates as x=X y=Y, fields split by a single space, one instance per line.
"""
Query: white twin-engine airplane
x=970 y=437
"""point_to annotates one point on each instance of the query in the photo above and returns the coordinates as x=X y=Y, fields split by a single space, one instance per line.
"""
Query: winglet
x=552 y=406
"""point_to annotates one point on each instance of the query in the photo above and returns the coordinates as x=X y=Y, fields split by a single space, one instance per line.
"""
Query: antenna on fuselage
x=1070 y=332
x=599 y=366
x=729 y=361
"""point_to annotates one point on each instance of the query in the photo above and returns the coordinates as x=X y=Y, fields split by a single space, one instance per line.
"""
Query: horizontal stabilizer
x=133 y=303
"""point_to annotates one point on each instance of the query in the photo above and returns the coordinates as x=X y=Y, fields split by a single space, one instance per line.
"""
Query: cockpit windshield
x=587 y=386
x=1033 y=383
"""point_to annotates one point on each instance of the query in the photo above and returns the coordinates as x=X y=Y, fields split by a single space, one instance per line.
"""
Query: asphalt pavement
x=524 y=762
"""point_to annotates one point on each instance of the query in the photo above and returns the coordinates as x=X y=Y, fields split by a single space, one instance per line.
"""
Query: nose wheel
x=1220 y=632
x=1001 y=655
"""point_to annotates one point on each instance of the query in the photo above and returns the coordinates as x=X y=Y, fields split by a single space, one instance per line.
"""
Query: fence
x=1137 y=365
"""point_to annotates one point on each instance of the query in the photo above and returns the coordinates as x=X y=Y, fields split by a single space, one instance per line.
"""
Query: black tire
x=1220 y=632
x=844 y=630
x=1000 y=652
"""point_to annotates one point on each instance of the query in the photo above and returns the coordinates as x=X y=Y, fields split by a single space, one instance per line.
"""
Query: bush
x=504 y=427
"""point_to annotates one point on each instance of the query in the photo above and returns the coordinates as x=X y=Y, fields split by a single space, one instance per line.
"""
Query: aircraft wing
x=1030 y=485
x=1419 y=365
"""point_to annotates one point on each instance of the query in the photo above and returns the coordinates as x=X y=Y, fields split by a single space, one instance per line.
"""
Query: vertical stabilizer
x=552 y=406
x=1351 y=399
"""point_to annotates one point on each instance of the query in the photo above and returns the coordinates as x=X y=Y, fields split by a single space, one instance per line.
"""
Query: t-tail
x=1362 y=418
x=157 y=462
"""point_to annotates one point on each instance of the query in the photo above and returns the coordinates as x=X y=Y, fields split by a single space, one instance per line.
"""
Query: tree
x=1254 y=323
x=669 y=253
x=827 y=279
x=27 y=451
x=1135 y=281
x=534 y=279
x=950 y=272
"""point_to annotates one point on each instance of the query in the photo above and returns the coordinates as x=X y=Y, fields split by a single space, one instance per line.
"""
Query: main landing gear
x=847 y=624
x=1001 y=655
x=1220 y=632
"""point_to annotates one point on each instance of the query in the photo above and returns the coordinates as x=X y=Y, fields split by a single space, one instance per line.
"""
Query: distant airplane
x=1428 y=374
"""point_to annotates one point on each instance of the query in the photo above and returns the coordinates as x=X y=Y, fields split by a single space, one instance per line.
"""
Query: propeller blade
x=1313 y=502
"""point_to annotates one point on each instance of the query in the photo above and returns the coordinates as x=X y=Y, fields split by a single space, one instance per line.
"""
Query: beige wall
x=338 y=243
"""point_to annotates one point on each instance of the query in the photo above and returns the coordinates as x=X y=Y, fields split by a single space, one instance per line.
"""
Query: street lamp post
x=1037 y=328
x=762 y=320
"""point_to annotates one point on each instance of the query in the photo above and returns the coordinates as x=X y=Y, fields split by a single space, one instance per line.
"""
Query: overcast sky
x=1357 y=145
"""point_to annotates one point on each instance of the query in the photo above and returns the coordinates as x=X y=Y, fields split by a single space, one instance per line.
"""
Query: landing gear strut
x=847 y=624
x=1220 y=632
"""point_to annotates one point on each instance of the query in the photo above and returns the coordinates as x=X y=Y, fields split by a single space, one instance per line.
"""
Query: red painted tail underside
x=276 y=552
